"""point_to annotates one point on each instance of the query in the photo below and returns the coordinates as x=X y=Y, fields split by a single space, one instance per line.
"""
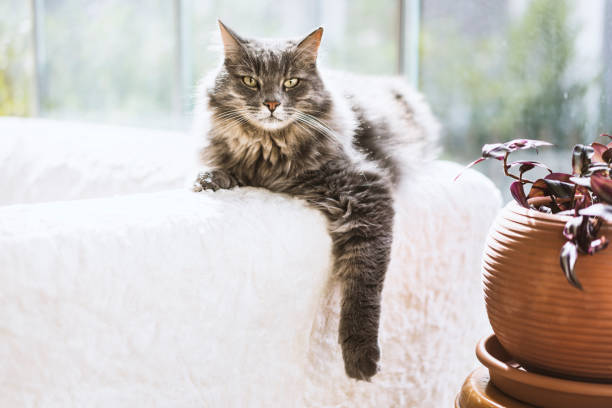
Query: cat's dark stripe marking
x=368 y=140
x=341 y=144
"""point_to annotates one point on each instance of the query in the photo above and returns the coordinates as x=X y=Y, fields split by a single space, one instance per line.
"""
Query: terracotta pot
x=538 y=317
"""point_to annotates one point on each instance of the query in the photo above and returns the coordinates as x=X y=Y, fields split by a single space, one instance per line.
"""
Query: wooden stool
x=479 y=392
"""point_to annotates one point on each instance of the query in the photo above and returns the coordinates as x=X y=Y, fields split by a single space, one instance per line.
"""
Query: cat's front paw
x=361 y=357
x=214 y=180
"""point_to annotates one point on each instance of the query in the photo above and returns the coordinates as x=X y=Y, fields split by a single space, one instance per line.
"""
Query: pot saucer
x=536 y=389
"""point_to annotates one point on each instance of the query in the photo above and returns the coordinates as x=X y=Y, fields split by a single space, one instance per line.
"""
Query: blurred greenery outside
x=512 y=84
x=114 y=61
x=518 y=82
x=16 y=69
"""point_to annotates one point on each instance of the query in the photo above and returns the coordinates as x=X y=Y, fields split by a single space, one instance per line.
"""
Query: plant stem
x=506 y=167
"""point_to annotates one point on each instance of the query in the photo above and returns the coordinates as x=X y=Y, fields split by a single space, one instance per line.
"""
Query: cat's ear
x=232 y=43
x=308 y=48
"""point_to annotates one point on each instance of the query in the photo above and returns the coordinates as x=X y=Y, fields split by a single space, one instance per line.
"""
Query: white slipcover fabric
x=50 y=160
x=181 y=299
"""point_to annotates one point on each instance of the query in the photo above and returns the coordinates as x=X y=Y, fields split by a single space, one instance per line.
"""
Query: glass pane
x=498 y=70
x=16 y=65
x=109 y=60
x=120 y=62
x=360 y=35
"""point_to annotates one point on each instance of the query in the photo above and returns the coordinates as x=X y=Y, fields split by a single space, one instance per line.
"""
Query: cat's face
x=269 y=85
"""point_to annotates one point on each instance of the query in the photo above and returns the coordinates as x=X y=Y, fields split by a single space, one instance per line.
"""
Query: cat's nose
x=272 y=105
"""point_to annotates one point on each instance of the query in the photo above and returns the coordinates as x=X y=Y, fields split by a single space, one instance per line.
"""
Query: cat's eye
x=290 y=83
x=249 y=81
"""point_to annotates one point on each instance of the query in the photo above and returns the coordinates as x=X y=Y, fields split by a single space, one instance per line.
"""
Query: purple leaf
x=587 y=232
x=607 y=155
x=527 y=165
x=597 y=168
x=559 y=176
x=581 y=181
x=599 y=210
x=495 y=150
x=581 y=158
x=475 y=162
x=566 y=212
x=518 y=193
x=605 y=135
x=598 y=245
x=582 y=198
x=538 y=189
x=569 y=254
x=499 y=150
x=595 y=224
x=560 y=189
x=572 y=227
x=522 y=144
x=599 y=151
x=602 y=186
x=582 y=231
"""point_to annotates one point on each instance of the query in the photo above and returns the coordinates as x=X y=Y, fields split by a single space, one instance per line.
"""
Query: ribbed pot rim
x=561 y=220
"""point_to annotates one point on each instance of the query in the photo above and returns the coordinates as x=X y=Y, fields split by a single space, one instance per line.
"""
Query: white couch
x=171 y=298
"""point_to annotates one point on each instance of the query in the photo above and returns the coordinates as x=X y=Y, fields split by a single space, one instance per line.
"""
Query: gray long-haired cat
x=338 y=141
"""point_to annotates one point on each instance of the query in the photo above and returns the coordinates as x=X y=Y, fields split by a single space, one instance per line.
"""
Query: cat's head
x=268 y=84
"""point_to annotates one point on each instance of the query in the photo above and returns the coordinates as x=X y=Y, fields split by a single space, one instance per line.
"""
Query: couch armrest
x=45 y=160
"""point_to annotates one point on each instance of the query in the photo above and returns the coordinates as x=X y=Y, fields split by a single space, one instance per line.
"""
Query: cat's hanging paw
x=360 y=357
x=214 y=180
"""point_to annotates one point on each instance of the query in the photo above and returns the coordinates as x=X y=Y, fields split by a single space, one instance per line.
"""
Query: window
x=492 y=70
x=107 y=60
x=137 y=62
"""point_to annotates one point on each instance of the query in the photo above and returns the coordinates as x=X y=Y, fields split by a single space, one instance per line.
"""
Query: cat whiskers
x=230 y=119
x=314 y=123
x=234 y=113
x=301 y=126
x=228 y=125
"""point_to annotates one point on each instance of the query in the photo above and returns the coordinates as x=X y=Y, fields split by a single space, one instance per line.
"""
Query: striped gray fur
x=339 y=141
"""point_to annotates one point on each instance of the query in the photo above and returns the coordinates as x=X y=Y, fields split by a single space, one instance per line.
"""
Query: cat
x=340 y=142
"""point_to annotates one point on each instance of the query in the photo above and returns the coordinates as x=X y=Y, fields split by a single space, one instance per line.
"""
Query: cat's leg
x=214 y=180
x=362 y=248
x=360 y=212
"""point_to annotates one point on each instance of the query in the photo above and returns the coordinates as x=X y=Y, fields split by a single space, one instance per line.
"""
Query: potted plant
x=548 y=296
